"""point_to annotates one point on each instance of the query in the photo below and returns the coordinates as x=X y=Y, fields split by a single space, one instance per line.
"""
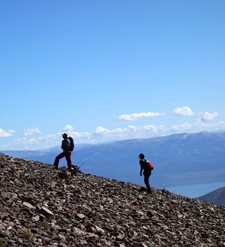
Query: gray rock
x=28 y=205
x=40 y=208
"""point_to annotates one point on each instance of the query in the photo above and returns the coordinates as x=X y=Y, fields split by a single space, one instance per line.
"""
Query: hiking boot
x=55 y=168
x=149 y=191
x=142 y=189
x=73 y=171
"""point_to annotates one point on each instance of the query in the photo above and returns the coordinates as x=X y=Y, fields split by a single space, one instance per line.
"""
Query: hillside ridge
x=216 y=196
x=40 y=208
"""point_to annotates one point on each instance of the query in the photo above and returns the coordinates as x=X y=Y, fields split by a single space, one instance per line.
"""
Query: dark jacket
x=144 y=167
x=65 y=145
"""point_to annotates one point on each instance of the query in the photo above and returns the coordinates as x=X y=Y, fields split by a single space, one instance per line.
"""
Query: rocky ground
x=39 y=207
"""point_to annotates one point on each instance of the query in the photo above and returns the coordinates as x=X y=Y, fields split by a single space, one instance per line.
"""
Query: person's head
x=64 y=135
x=141 y=156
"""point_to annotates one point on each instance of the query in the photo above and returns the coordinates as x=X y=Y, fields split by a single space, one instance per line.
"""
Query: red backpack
x=150 y=164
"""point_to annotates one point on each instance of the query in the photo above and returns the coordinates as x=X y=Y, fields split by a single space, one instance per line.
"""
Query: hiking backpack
x=150 y=164
x=71 y=143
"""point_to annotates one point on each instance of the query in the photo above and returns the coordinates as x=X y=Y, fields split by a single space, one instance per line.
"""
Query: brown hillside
x=216 y=196
x=38 y=208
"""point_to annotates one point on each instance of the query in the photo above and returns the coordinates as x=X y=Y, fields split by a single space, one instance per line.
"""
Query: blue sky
x=109 y=70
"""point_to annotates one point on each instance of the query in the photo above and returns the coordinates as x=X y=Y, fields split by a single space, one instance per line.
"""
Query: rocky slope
x=39 y=207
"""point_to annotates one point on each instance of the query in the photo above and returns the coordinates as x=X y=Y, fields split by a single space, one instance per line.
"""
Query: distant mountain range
x=216 y=197
x=180 y=159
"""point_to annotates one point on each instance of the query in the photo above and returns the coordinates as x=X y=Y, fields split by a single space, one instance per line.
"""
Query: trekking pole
x=82 y=163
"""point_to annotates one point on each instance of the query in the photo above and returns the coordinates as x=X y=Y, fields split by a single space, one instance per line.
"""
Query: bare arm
x=141 y=169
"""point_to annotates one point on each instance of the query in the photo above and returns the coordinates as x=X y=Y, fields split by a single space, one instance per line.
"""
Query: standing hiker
x=67 y=147
x=146 y=169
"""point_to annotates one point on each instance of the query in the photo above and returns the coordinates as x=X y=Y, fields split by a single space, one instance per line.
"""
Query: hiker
x=66 y=146
x=146 y=170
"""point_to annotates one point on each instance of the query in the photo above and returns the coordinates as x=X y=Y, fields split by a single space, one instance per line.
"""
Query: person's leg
x=146 y=180
x=58 y=157
x=68 y=159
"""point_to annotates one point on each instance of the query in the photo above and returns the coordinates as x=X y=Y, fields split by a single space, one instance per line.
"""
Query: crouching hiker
x=67 y=146
x=145 y=168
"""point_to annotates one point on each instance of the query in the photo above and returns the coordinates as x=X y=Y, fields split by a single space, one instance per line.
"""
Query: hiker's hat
x=64 y=134
x=141 y=156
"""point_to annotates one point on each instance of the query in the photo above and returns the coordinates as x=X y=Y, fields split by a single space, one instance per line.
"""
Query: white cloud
x=103 y=134
x=136 y=116
x=101 y=130
x=206 y=116
x=211 y=126
x=182 y=127
x=130 y=131
x=104 y=131
x=29 y=142
x=132 y=128
x=154 y=129
x=148 y=131
x=70 y=130
x=32 y=131
x=183 y=111
x=220 y=124
x=198 y=126
x=82 y=135
x=6 y=133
